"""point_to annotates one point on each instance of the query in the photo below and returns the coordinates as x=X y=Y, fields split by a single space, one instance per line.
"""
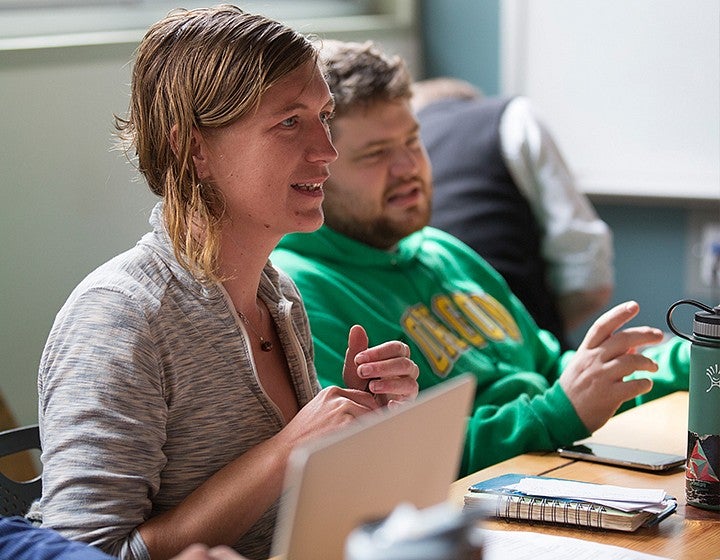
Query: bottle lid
x=707 y=324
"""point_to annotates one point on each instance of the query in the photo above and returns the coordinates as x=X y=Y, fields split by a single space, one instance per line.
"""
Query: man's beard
x=381 y=233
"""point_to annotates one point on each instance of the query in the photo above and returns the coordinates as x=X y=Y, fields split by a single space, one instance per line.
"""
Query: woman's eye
x=289 y=122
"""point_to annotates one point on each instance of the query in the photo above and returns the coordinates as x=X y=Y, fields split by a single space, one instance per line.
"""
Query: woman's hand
x=377 y=376
x=386 y=371
x=331 y=409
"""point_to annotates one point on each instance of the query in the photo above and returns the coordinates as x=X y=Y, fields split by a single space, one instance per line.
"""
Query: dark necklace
x=265 y=345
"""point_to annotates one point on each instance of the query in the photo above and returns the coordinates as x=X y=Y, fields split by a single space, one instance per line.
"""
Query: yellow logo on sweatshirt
x=454 y=323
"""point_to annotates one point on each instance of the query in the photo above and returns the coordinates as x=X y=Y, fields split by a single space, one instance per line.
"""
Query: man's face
x=379 y=189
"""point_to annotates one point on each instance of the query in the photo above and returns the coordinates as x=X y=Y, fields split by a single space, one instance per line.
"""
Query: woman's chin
x=308 y=223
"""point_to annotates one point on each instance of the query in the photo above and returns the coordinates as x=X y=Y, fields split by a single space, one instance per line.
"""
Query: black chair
x=16 y=497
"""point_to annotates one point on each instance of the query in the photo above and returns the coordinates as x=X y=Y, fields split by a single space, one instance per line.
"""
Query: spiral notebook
x=602 y=507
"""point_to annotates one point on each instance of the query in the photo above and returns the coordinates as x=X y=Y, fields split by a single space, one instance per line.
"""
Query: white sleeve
x=576 y=244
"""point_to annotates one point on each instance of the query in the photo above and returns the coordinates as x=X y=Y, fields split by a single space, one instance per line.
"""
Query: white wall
x=631 y=89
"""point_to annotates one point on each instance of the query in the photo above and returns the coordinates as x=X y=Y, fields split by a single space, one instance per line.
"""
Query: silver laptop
x=360 y=474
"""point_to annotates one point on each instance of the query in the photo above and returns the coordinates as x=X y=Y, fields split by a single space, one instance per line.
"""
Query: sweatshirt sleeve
x=102 y=449
x=543 y=422
x=549 y=420
x=20 y=540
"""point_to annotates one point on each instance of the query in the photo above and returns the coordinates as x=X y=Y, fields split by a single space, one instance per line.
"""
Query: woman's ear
x=198 y=151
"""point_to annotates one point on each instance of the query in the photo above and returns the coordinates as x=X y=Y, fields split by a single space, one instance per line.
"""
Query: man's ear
x=198 y=150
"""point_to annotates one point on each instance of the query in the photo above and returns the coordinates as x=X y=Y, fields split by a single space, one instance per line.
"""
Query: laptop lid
x=410 y=454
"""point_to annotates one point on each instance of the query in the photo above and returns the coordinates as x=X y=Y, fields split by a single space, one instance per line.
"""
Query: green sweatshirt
x=457 y=315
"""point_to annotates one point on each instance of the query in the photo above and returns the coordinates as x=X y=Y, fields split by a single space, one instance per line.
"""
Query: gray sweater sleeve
x=103 y=402
x=147 y=387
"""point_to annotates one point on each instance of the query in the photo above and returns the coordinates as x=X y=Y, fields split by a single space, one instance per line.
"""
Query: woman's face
x=270 y=165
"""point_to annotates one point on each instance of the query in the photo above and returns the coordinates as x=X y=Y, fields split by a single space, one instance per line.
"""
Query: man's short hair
x=360 y=74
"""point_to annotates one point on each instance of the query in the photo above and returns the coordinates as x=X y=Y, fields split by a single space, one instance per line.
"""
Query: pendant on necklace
x=265 y=345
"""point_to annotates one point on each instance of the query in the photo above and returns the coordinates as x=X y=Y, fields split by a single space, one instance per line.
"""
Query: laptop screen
x=359 y=474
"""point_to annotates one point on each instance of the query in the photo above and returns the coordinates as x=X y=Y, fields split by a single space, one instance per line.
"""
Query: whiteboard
x=629 y=88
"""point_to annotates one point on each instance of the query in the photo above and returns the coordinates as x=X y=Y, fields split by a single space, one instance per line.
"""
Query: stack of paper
x=552 y=500
x=527 y=545
x=618 y=497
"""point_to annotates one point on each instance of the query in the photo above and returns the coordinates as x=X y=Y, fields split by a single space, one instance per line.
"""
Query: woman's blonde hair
x=200 y=69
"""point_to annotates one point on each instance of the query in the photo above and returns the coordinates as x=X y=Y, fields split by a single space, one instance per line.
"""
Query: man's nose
x=405 y=162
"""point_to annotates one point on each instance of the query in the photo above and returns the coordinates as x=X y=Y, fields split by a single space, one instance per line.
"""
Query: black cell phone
x=622 y=456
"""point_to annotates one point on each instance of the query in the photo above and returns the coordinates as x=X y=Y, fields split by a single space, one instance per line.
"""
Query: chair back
x=17 y=496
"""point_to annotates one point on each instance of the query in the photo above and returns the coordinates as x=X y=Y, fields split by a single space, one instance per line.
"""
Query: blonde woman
x=179 y=375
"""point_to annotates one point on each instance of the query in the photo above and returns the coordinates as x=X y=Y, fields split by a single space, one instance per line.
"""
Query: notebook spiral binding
x=529 y=508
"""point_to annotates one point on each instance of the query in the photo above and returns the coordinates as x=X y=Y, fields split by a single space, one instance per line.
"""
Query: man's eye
x=413 y=142
x=374 y=155
x=289 y=122
x=327 y=116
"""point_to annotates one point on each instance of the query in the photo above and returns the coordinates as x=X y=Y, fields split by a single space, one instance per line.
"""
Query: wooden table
x=661 y=425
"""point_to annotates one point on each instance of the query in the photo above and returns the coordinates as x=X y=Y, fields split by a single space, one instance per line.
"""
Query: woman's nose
x=321 y=148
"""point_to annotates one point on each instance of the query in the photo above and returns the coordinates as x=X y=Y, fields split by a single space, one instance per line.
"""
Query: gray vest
x=476 y=200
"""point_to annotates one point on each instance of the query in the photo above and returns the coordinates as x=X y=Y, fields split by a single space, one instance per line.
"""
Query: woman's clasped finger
x=385 y=351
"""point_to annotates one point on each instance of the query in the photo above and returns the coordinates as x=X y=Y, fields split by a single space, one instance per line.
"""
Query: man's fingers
x=627 y=340
x=634 y=387
x=622 y=366
x=609 y=322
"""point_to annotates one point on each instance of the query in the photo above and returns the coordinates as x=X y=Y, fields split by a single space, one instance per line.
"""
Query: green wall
x=461 y=38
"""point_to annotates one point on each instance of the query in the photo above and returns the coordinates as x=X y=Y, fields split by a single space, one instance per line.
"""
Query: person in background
x=19 y=540
x=501 y=185
x=376 y=259
x=178 y=376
